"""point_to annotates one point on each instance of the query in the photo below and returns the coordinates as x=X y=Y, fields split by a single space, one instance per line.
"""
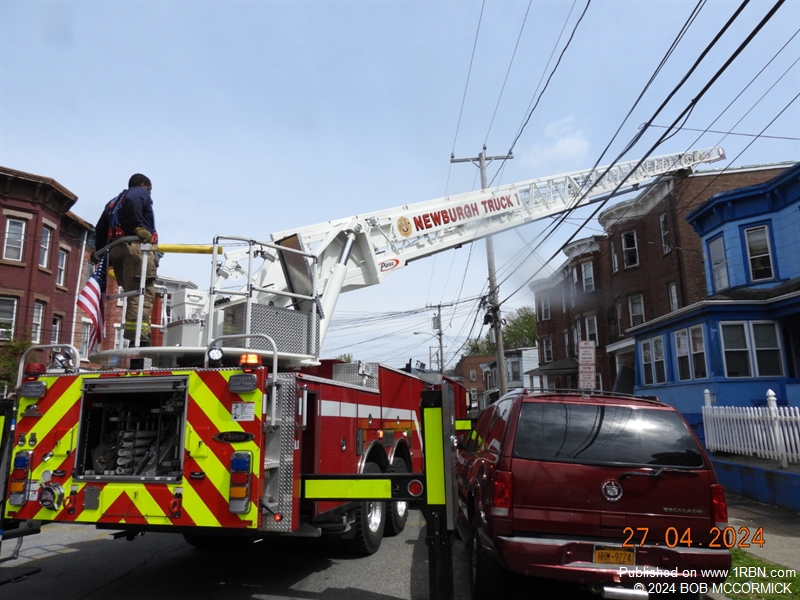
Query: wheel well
x=376 y=454
x=402 y=451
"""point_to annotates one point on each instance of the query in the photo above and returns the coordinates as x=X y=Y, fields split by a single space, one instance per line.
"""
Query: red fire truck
x=210 y=434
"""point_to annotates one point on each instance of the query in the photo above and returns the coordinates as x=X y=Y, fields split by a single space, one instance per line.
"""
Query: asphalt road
x=81 y=563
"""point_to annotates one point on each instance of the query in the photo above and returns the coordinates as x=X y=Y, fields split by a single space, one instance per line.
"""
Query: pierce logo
x=233 y=437
x=388 y=265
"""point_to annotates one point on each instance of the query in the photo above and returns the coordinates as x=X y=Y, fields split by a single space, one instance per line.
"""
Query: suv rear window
x=604 y=434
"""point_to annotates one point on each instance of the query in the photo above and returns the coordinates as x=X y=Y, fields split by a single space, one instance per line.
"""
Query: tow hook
x=175 y=505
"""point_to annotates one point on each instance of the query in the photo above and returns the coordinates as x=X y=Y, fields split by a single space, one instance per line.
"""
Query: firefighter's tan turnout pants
x=126 y=260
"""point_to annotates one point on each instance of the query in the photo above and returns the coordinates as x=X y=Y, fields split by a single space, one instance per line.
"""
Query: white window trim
x=625 y=250
x=754 y=357
x=545 y=304
x=37 y=320
x=769 y=253
x=7 y=238
x=672 y=293
x=587 y=287
x=748 y=348
x=45 y=248
x=14 y=311
x=547 y=347
x=720 y=266
x=614 y=259
x=591 y=319
x=55 y=332
x=61 y=270
x=630 y=309
x=662 y=222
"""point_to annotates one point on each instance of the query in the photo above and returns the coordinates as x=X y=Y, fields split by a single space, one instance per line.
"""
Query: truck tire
x=397 y=513
x=486 y=576
x=370 y=520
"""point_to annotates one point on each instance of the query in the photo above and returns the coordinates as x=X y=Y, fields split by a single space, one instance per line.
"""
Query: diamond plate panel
x=279 y=458
x=363 y=374
x=291 y=329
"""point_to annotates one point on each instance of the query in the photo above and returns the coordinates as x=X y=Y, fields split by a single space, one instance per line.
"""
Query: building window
x=587 y=272
x=653 y=369
x=61 y=272
x=758 y=253
x=598 y=382
x=515 y=370
x=735 y=350
x=563 y=301
x=636 y=309
x=545 y=309
x=591 y=329
x=672 y=289
x=55 y=333
x=690 y=350
x=614 y=261
x=620 y=327
x=36 y=326
x=473 y=375
x=8 y=315
x=567 y=353
x=44 y=247
x=119 y=340
x=768 y=349
x=547 y=349
x=15 y=236
x=86 y=329
x=719 y=267
x=662 y=221
x=573 y=286
x=630 y=254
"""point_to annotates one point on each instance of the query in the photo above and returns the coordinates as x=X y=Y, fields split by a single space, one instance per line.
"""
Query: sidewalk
x=762 y=495
x=759 y=479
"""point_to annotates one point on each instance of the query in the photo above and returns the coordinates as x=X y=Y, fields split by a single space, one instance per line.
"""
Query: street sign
x=586 y=355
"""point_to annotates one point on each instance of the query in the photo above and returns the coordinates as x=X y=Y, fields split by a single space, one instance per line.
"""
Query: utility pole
x=437 y=324
x=494 y=309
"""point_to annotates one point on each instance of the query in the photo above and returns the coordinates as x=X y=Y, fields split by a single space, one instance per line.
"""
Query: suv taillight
x=502 y=493
x=719 y=505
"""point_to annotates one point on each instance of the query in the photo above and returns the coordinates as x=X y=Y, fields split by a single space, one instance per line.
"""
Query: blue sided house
x=745 y=338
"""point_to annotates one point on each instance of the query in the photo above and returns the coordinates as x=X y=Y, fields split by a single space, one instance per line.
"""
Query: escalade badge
x=612 y=490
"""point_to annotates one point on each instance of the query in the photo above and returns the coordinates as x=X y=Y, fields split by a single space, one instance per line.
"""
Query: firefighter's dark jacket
x=136 y=211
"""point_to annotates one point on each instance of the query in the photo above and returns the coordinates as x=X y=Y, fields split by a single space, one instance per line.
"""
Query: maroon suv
x=611 y=492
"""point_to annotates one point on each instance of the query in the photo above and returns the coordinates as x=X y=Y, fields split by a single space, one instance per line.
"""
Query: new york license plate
x=614 y=555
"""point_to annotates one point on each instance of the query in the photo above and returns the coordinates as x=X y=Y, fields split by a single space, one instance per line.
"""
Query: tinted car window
x=602 y=434
x=498 y=428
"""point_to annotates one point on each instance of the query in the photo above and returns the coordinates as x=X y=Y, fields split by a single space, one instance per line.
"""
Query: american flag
x=92 y=300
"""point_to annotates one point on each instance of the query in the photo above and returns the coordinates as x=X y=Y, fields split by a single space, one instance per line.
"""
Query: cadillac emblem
x=404 y=226
x=612 y=490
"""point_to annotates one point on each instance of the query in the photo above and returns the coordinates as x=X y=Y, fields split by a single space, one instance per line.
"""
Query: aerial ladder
x=300 y=273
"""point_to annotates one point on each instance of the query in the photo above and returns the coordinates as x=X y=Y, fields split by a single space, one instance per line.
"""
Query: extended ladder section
x=287 y=288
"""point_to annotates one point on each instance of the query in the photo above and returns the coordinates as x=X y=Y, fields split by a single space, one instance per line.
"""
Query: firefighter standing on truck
x=131 y=213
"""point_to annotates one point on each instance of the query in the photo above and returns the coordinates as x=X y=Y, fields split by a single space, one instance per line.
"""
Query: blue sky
x=255 y=117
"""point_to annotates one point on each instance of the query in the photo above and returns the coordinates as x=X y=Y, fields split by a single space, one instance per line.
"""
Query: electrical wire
x=691 y=105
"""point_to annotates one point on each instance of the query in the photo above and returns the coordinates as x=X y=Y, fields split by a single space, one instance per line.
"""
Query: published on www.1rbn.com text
x=665 y=581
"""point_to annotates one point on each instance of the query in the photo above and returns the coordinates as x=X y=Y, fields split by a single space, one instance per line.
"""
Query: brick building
x=44 y=263
x=648 y=263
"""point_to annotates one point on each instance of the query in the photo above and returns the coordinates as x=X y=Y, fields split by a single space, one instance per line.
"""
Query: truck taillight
x=502 y=493
x=239 y=491
x=719 y=505
x=20 y=477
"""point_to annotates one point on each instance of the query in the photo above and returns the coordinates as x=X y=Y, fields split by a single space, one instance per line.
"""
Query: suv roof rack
x=594 y=393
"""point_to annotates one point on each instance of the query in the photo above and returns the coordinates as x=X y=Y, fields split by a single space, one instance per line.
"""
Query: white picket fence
x=770 y=431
